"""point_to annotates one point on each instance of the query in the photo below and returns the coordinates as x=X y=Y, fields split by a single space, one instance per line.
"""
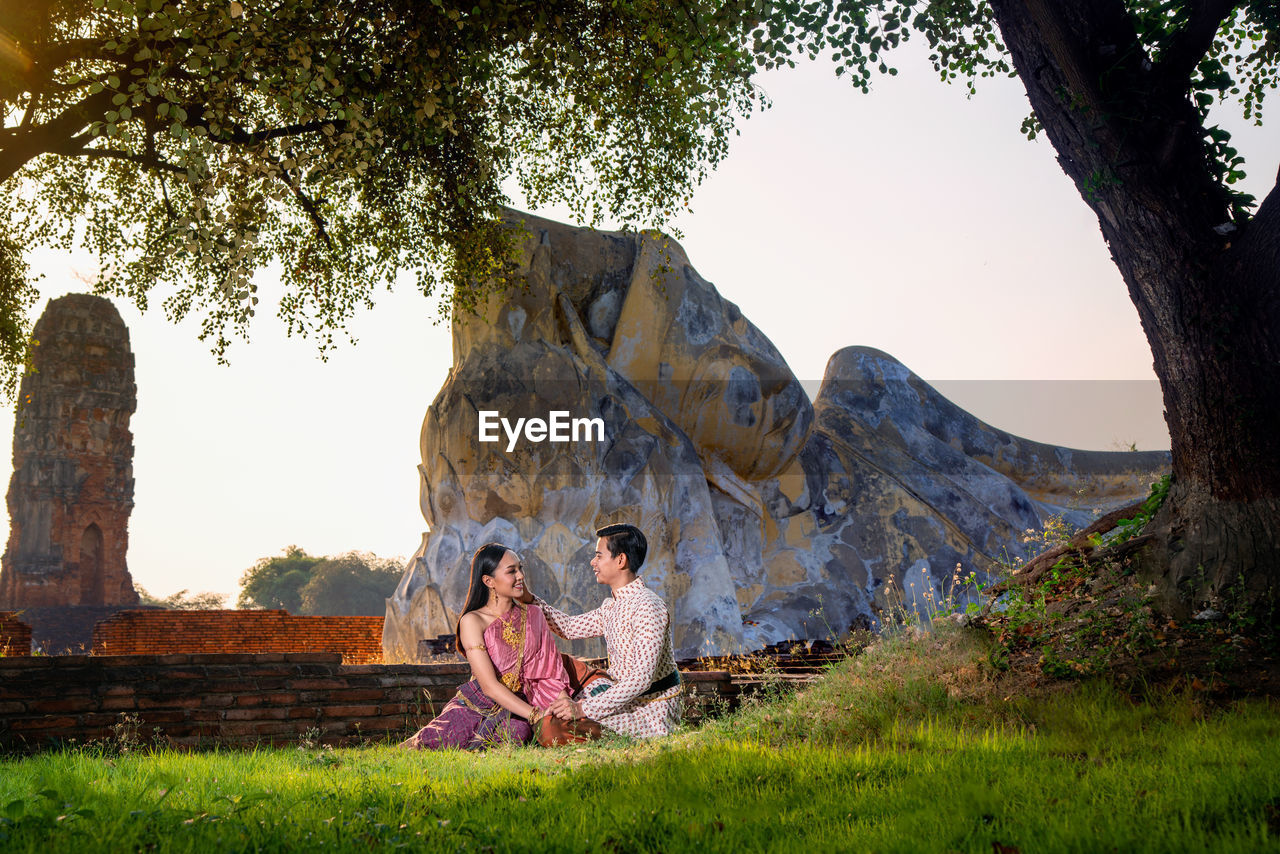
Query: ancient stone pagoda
x=72 y=487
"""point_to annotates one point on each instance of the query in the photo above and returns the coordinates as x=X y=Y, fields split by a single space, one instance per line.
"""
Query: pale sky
x=913 y=220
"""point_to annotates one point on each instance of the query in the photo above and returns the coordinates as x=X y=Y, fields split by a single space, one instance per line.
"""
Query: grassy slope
x=912 y=747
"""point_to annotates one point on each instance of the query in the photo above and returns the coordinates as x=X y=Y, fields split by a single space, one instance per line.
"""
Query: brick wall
x=15 y=635
x=236 y=700
x=216 y=699
x=357 y=639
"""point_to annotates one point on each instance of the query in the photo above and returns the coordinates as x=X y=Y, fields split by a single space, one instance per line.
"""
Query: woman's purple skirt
x=471 y=721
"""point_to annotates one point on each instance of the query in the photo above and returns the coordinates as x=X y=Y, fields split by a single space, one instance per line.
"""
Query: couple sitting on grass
x=523 y=689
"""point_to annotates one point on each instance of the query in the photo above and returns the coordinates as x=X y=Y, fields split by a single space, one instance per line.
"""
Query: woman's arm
x=471 y=633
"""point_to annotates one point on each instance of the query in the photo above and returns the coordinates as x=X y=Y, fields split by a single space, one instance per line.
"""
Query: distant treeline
x=351 y=584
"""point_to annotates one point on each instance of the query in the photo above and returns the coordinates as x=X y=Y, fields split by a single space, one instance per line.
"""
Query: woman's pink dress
x=473 y=721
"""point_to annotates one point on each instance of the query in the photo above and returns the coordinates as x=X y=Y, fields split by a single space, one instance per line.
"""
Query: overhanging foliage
x=190 y=144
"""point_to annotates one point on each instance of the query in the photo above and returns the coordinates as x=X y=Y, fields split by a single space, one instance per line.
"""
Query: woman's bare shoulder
x=472 y=619
x=472 y=626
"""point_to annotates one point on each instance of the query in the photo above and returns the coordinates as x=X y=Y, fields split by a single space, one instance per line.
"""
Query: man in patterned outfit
x=640 y=696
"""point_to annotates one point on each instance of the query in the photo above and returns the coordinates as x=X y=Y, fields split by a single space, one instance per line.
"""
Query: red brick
x=439 y=693
x=255 y=714
x=160 y=718
x=282 y=699
x=46 y=722
x=253 y=637
x=118 y=660
x=376 y=723
x=53 y=706
x=318 y=684
x=117 y=703
x=183 y=673
x=15 y=635
x=233 y=686
x=357 y=694
x=211 y=658
x=268 y=684
x=185 y=702
x=350 y=711
x=325 y=657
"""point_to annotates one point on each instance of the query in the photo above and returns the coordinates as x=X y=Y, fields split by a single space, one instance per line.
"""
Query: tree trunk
x=1127 y=133
x=1221 y=381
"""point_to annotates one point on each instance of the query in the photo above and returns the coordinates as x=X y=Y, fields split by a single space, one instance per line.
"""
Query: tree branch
x=155 y=163
x=29 y=114
x=22 y=147
x=1033 y=570
x=1188 y=45
x=693 y=19
x=56 y=55
x=309 y=205
x=1068 y=53
x=1262 y=232
x=240 y=136
x=36 y=78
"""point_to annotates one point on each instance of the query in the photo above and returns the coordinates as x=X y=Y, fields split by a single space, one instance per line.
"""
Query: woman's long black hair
x=483 y=562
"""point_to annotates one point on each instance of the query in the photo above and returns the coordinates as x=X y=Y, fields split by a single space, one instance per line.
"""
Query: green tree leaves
x=348 y=144
x=350 y=584
x=190 y=145
x=1205 y=52
x=277 y=582
x=183 y=600
x=355 y=583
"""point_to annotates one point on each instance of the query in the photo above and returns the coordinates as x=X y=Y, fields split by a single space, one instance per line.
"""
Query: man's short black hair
x=627 y=540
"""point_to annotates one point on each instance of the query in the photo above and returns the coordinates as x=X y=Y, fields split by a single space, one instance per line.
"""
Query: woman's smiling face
x=508 y=578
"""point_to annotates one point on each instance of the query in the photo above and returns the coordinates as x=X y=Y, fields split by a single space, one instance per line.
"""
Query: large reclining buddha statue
x=769 y=516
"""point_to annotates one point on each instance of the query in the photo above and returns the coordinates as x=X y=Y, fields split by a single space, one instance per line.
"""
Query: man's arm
x=588 y=625
x=650 y=633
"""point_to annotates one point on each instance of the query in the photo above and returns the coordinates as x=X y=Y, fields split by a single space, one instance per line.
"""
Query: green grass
x=911 y=757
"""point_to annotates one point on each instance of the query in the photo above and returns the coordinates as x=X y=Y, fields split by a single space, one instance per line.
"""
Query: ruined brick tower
x=72 y=487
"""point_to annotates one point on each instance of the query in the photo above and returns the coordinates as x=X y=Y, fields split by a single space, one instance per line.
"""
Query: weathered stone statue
x=768 y=516
x=72 y=487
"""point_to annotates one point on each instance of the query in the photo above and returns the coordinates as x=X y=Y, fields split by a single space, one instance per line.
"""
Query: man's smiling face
x=608 y=569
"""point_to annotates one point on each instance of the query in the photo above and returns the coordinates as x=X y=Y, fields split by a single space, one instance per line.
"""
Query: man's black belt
x=671 y=680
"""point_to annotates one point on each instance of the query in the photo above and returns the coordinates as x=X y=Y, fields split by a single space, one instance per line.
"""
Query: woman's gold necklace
x=513 y=635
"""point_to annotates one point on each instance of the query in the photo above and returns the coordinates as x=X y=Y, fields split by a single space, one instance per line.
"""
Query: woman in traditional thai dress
x=516 y=671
